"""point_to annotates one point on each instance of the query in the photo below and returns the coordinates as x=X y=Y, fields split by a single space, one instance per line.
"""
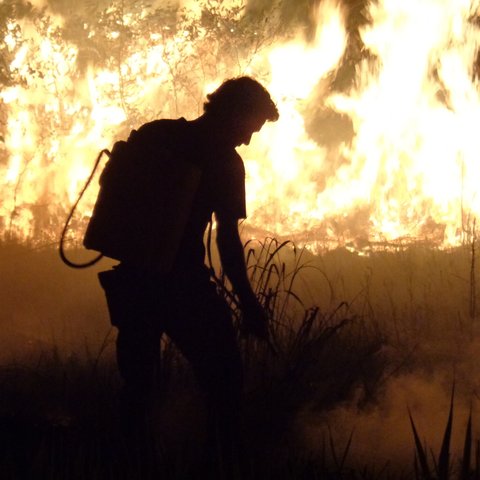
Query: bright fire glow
x=393 y=154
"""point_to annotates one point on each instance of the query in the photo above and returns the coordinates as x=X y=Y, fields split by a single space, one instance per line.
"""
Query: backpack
x=142 y=207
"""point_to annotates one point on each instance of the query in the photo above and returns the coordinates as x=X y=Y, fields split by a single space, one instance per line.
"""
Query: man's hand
x=255 y=319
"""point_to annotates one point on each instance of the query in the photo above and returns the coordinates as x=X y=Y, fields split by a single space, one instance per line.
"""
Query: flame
x=414 y=119
x=390 y=154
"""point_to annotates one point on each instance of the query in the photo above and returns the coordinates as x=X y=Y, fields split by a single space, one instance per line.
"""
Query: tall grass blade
x=347 y=449
x=422 y=457
x=444 y=458
x=435 y=463
x=415 y=466
x=467 y=450
x=339 y=463
x=477 y=460
x=332 y=447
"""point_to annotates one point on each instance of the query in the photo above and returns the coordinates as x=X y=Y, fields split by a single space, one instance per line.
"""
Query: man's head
x=242 y=105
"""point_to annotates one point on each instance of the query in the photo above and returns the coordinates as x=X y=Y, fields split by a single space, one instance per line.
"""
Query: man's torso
x=222 y=184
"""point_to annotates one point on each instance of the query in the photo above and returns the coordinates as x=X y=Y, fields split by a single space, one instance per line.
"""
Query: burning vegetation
x=378 y=103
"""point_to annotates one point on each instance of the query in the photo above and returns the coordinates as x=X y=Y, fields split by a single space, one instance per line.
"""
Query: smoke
x=46 y=306
x=417 y=302
x=382 y=433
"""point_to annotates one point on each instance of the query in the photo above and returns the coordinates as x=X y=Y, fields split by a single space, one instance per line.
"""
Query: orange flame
x=391 y=156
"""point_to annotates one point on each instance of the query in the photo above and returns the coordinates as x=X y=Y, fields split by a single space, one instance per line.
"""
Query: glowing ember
x=388 y=152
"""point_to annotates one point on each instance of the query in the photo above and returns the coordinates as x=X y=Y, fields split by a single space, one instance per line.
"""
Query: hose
x=61 y=249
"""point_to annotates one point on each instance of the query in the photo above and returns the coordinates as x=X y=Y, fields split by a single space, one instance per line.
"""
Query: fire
x=414 y=119
x=388 y=154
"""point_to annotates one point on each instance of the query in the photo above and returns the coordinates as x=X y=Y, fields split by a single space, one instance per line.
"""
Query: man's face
x=243 y=129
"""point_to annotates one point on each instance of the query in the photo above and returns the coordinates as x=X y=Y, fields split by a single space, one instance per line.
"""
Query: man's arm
x=233 y=262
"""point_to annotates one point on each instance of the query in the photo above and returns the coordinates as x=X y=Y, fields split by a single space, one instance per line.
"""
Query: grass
x=442 y=467
x=346 y=331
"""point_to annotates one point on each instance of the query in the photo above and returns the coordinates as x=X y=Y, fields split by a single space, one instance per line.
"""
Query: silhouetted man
x=184 y=303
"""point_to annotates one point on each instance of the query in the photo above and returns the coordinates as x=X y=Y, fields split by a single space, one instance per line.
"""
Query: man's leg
x=134 y=314
x=201 y=326
x=138 y=355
